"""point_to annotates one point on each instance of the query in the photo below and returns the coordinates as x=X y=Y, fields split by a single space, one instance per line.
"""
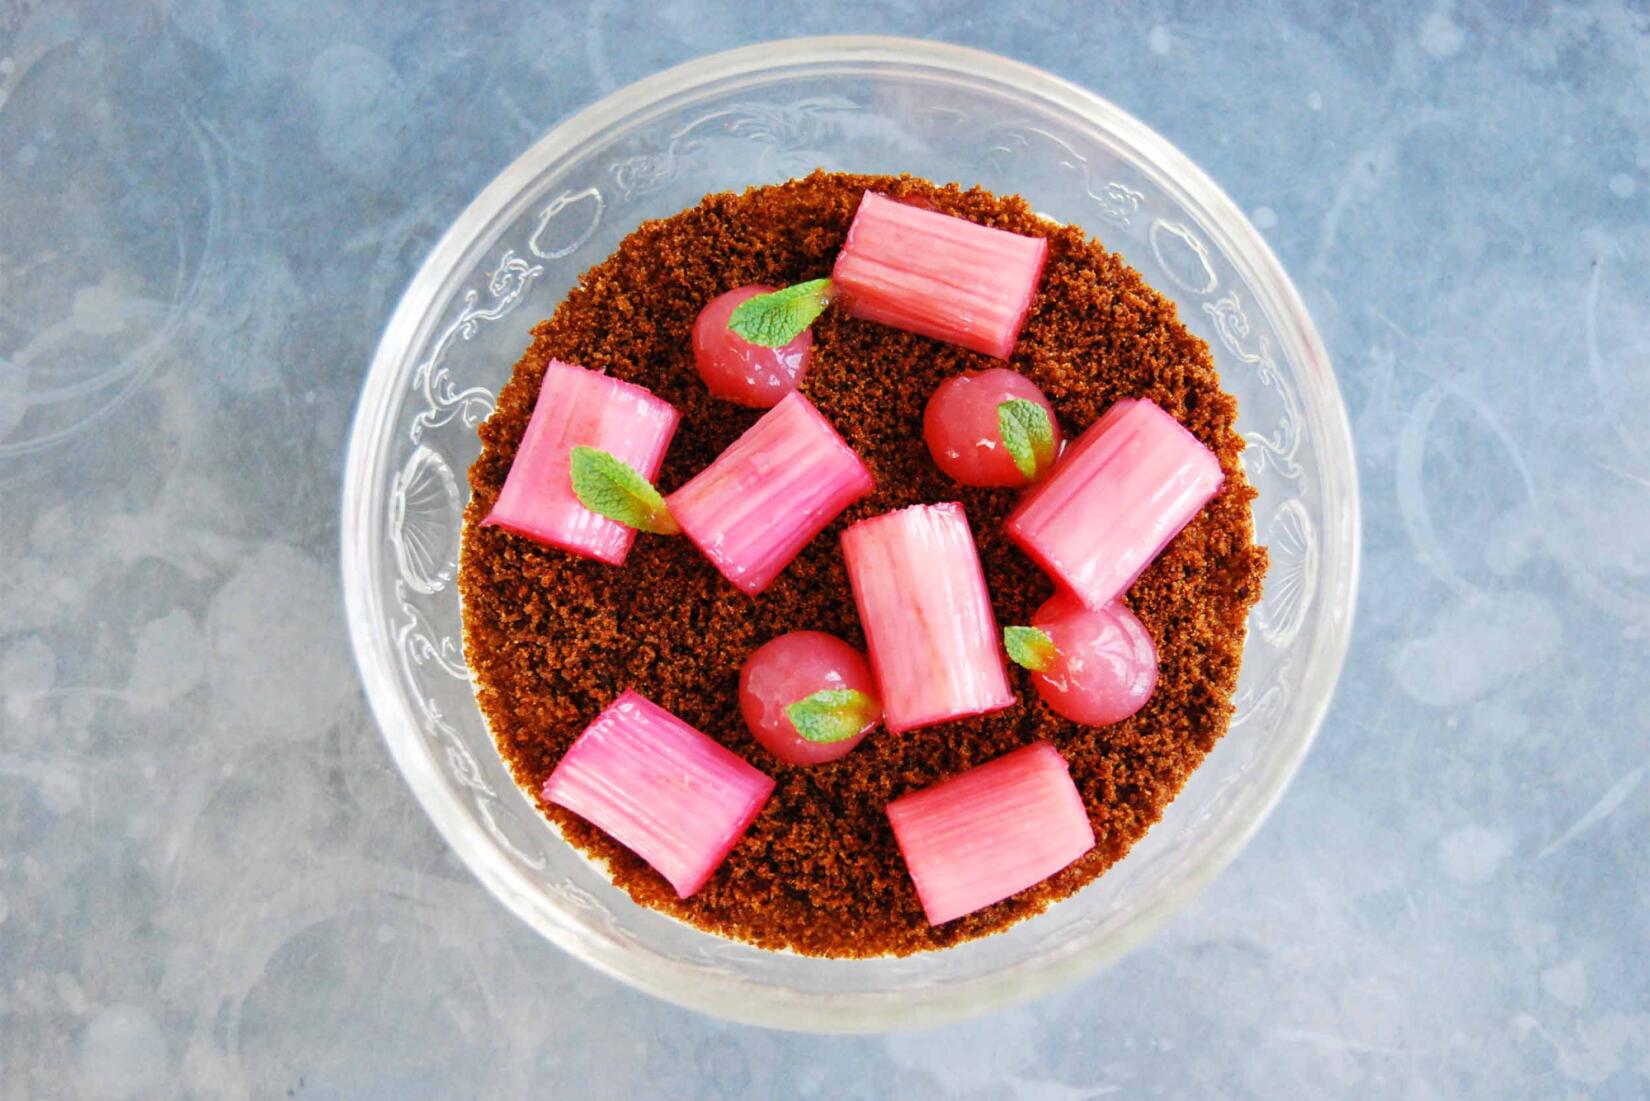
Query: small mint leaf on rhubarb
x=1028 y=434
x=608 y=486
x=1029 y=647
x=775 y=319
x=833 y=714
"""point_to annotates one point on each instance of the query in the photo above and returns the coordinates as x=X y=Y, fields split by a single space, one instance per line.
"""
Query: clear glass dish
x=759 y=115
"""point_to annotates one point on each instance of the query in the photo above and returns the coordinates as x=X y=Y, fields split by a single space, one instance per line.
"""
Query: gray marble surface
x=213 y=883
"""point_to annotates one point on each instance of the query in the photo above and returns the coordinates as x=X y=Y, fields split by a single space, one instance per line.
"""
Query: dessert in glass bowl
x=948 y=475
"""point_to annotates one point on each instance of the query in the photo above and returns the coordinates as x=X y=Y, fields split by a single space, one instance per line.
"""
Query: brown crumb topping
x=552 y=639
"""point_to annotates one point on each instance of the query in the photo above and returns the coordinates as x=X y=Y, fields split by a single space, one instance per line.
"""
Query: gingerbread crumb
x=552 y=639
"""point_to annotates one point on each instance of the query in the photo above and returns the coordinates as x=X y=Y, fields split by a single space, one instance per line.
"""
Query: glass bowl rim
x=361 y=524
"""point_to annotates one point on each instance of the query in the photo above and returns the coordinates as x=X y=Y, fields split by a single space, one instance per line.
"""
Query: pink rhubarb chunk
x=991 y=832
x=927 y=616
x=660 y=788
x=937 y=275
x=772 y=490
x=580 y=408
x=1115 y=500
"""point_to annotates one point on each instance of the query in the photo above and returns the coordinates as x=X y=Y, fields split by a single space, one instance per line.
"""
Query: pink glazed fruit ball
x=1106 y=666
x=962 y=430
x=793 y=667
x=736 y=370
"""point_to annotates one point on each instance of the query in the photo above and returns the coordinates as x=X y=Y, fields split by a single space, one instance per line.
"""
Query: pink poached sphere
x=736 y=370
x=1107 y=663
x=793 y=667
x=960 y=426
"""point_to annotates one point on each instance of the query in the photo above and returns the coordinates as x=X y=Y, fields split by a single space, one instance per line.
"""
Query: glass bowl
x=760 y=115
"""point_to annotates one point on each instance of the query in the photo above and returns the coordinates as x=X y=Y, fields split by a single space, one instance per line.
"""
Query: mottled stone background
x=214 y=885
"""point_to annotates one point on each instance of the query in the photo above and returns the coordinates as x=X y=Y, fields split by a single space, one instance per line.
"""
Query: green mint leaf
x=833 y=714
x=610 y=487
x=1028 y=434
x=1029 y=647
x=775 y=319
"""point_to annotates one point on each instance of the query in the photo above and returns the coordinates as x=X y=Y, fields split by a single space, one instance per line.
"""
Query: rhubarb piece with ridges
x=938 y=275
x=660 y=788
x=1116 y=498
x=927 y=616
x=991 y=832
x=772 y=490
x=580 y=408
